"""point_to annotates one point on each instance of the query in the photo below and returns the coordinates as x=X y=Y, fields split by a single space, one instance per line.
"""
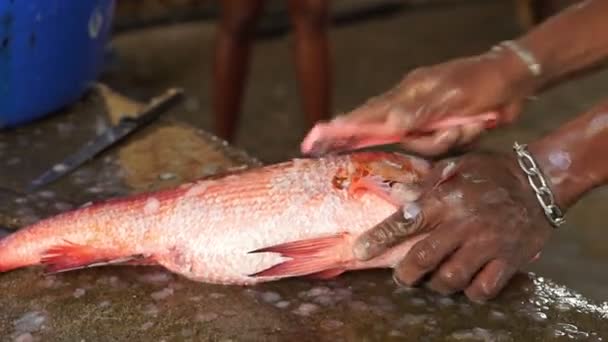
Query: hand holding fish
x=440 y=105
x=484 y=224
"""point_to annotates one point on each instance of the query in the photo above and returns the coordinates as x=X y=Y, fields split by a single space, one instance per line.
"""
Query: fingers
x=435 y=144
x=456 y=273
x=444 y=140
x=491 y=280
x=427 y=254
x=470 y=133
x=413 y=219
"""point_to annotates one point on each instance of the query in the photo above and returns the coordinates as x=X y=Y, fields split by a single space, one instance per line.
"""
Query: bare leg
x=312 y=56
x=232 y=53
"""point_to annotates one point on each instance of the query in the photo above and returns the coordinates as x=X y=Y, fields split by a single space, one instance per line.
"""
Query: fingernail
x=361 y=250
x=411 y=211
x=448 y=169
x=398 y=281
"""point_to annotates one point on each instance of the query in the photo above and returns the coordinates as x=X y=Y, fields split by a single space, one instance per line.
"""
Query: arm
x=573 y=40
x=496 y=82
x=573 y=158
x=482 y=218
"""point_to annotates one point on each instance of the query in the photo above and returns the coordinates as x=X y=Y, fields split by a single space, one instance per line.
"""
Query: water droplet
x=497 y=315
x=445 y=301
x=417 y=301
x=324 y=300
x=60 y=167
x=62 y=206
x=156 y=277
x=539 y=316
x=396 y=333
x=210 y=170
x=30 y=322
x=306 y=309
x=13 y=161
x=206 y=317
x=162 y=294
x=147 y=325
x=478 y=334
x=270 y=297
x=319 y=290
x=187 y=332
x=282 y=304
x=151 y=310
x=79 y=293
x=411 y=319
x=95 y=190
x=229 y=313
x=331 y=324
x=25 y=337
x=358 y=305
x=104 y=304
x=167 y=176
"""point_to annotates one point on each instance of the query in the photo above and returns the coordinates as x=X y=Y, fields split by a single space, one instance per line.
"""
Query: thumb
x=412 y=219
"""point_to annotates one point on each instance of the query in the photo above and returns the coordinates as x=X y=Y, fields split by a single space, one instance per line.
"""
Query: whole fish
x=295 y=218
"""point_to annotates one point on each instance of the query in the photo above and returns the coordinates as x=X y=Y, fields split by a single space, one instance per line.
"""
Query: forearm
x=574 y=158
x=571 y=41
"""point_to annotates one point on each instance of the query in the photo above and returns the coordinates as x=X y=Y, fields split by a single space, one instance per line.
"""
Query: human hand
x=483 y=223
x=452 y=103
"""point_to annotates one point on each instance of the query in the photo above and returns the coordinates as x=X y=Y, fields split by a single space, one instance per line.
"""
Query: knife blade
x=111 y=136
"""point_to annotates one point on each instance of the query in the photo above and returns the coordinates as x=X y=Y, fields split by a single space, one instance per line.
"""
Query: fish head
x=390 y=167
x=394 y=177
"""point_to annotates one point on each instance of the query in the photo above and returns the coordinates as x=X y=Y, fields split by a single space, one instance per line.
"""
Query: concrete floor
x=368 y=58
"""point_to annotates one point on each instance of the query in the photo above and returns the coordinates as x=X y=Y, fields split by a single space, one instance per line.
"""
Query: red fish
x=296 y=218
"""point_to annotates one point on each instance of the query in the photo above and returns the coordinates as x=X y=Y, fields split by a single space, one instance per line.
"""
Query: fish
x=296 y=218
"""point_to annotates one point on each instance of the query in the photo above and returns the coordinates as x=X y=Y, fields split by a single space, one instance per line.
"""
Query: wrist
x=519 y=69
x=566 y=173
x=548 y=196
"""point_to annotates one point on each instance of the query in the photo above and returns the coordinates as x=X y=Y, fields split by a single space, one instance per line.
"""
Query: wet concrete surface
x=128 y=303
x=149 y=303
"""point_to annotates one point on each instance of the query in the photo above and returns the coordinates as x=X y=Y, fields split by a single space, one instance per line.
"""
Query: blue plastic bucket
x=51 y=51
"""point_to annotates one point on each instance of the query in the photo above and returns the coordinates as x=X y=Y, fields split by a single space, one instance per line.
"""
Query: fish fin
x=308 y=256
x=71 y=256
x=327 y=274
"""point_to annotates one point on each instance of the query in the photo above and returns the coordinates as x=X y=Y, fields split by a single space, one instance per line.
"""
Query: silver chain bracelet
x=526 y=56
x=539 y=185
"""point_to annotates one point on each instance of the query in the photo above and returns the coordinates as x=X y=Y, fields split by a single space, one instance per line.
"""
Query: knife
x=111 y=136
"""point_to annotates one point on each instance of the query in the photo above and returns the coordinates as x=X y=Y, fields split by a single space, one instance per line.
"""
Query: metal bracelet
x=526 y=56
x=539 y=185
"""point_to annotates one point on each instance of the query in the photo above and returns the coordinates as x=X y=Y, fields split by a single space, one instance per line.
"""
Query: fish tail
x=41 y=245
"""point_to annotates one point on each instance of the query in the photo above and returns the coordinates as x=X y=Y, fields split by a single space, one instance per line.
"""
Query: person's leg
x=312 y=56
x=231 y=66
